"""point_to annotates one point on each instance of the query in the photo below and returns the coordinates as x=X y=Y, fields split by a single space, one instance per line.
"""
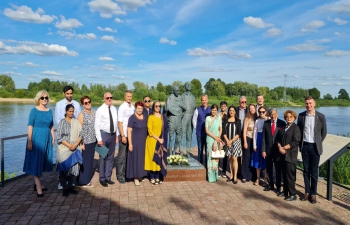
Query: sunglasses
x=88 y=102
x=262 y=112
x=157 y=106
x=42 y=98
x=147 y=101
x=243 y=102
x=109 y=98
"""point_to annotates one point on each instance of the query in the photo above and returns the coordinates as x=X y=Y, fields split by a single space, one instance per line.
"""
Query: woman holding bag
x=157 y=135
x=234 y=146
x=213 y=128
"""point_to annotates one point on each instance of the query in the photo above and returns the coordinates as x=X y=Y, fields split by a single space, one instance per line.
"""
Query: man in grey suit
x=313 y=129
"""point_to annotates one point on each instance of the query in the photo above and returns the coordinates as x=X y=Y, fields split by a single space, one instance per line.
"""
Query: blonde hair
x=39 y=94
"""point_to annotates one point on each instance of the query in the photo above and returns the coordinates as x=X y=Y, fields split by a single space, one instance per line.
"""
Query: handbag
x=218 y=154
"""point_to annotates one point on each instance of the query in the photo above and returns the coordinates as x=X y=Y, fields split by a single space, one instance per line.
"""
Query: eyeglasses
x=109 y=98
x=88 y=102
x=262 y=112
x=157 y=106
x=42 y=98
x=147 y=101
x=243 y=102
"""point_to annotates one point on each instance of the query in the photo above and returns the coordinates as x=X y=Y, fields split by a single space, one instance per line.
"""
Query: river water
x=14 y=118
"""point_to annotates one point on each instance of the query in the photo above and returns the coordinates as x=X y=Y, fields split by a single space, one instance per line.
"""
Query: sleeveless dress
x=39 y=159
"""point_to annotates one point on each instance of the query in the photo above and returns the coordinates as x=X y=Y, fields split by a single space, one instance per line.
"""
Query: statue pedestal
x=194 y=172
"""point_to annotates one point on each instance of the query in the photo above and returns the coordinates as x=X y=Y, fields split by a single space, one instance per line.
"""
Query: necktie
x=111 y=125
x=273 y=127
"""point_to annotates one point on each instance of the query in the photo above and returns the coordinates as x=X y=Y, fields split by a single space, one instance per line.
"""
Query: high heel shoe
x=43 y=189
x=40 y=195
x=234 y=181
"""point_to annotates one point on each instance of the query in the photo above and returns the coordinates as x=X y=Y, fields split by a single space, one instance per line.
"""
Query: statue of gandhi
x=174 y=110
x=189 y=102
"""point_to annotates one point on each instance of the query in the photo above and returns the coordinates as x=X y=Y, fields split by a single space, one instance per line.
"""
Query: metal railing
x=3 y=155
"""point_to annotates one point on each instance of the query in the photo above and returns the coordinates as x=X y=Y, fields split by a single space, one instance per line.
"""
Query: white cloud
x=69 y=35
x=117 y=20
x=7 y=63
x=127 y=53
x=108 y=67
x=345 y=78
x=133 y=4
x=26 y=14
x=313 y=26
x=68 y=24
x=106 y=59
x=199 y=52
x=338 y=33
x=106 y=8
x=165 y=40
x=307 y=47
x=342 y=7
x=15 y=68
x=241 y=56
x=29 y=64
x=35 y=48
x=272 y=32
x=76 y=67
x=108 y=38
x=323 y=40
x=256 y=22
x=337 y=53
x=51 y=73
x=216 y=70
x=107 y=29
x=339 y=21
x=121 y=77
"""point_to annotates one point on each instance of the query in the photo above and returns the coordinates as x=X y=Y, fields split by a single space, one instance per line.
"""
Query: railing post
x=329 y=179
x=2 y=163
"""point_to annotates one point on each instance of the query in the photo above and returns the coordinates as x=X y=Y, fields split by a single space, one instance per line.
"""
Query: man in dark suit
x=241 y=111
x=269 y=150
x=313 y=130
x=147 y=110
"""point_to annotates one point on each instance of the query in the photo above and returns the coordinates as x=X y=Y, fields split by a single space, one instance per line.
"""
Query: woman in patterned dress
x=87 y=120
x=41 y=137
x=234 y=147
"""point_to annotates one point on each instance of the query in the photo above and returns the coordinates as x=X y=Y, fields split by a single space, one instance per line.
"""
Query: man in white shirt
x=60 y=109
x=124 y=112
x=106 y=134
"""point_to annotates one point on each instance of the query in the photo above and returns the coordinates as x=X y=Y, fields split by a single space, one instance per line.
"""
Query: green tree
x=218 y=89
x=20 y=93
x=196 y=88
x=122 y=87
x=209 y=87
x=315 y=93
x=327 y=97
x=138 y=85
x=265 y=91
x=160 y=87
x=162 y=96
x=168 y=89
x=343 y=94
x=6 y=83
x=230 y=89
x=84 y=90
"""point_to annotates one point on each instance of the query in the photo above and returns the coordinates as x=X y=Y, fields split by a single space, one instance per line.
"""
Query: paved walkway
x=168 y=203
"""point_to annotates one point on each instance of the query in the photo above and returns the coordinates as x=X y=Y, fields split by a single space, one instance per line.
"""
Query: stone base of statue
x=194 y=172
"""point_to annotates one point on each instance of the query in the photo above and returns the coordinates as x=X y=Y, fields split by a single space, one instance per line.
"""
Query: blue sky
x=114 y=41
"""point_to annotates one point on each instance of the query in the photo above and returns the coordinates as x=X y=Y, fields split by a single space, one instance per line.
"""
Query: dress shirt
x=124 y=112
x=102 y=120
x=273 y=123
x=194 y=118
x=241 y=115
x=60 y=110
x=309 y=134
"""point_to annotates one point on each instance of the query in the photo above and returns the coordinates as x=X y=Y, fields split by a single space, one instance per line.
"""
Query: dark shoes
x=65 y=192
x=234 y=181
x=71 y=190
x=306 y=197
x=104 y=183
x=40 y=195
x=269 y=188
x=291 y=198
x=121 y=181
x=280 y=194
x=313 y=199
x=43 y=189
x=110 y=182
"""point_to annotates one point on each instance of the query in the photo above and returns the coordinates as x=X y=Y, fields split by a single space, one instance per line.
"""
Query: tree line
x=215 y=88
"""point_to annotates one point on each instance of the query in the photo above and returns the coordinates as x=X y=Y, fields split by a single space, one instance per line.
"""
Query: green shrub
x=8 y=175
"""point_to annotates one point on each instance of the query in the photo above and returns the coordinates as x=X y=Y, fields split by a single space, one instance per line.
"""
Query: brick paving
x=169 y=203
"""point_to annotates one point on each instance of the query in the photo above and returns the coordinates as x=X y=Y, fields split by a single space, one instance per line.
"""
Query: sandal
x=256 y=183
x=157 y=181
x=153 y=181
x=89 y=185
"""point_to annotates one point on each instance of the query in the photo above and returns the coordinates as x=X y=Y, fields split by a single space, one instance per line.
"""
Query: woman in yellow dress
x=157 y=136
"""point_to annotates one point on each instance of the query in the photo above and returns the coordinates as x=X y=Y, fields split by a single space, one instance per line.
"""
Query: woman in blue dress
x=41 y=137
x=257 y=161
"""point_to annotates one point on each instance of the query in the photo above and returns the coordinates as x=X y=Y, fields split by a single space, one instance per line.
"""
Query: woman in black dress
x=234 y=146
x=288 y=139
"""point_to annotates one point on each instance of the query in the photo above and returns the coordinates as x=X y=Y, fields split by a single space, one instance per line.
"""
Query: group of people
x=140 y=130
x=252 y=136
